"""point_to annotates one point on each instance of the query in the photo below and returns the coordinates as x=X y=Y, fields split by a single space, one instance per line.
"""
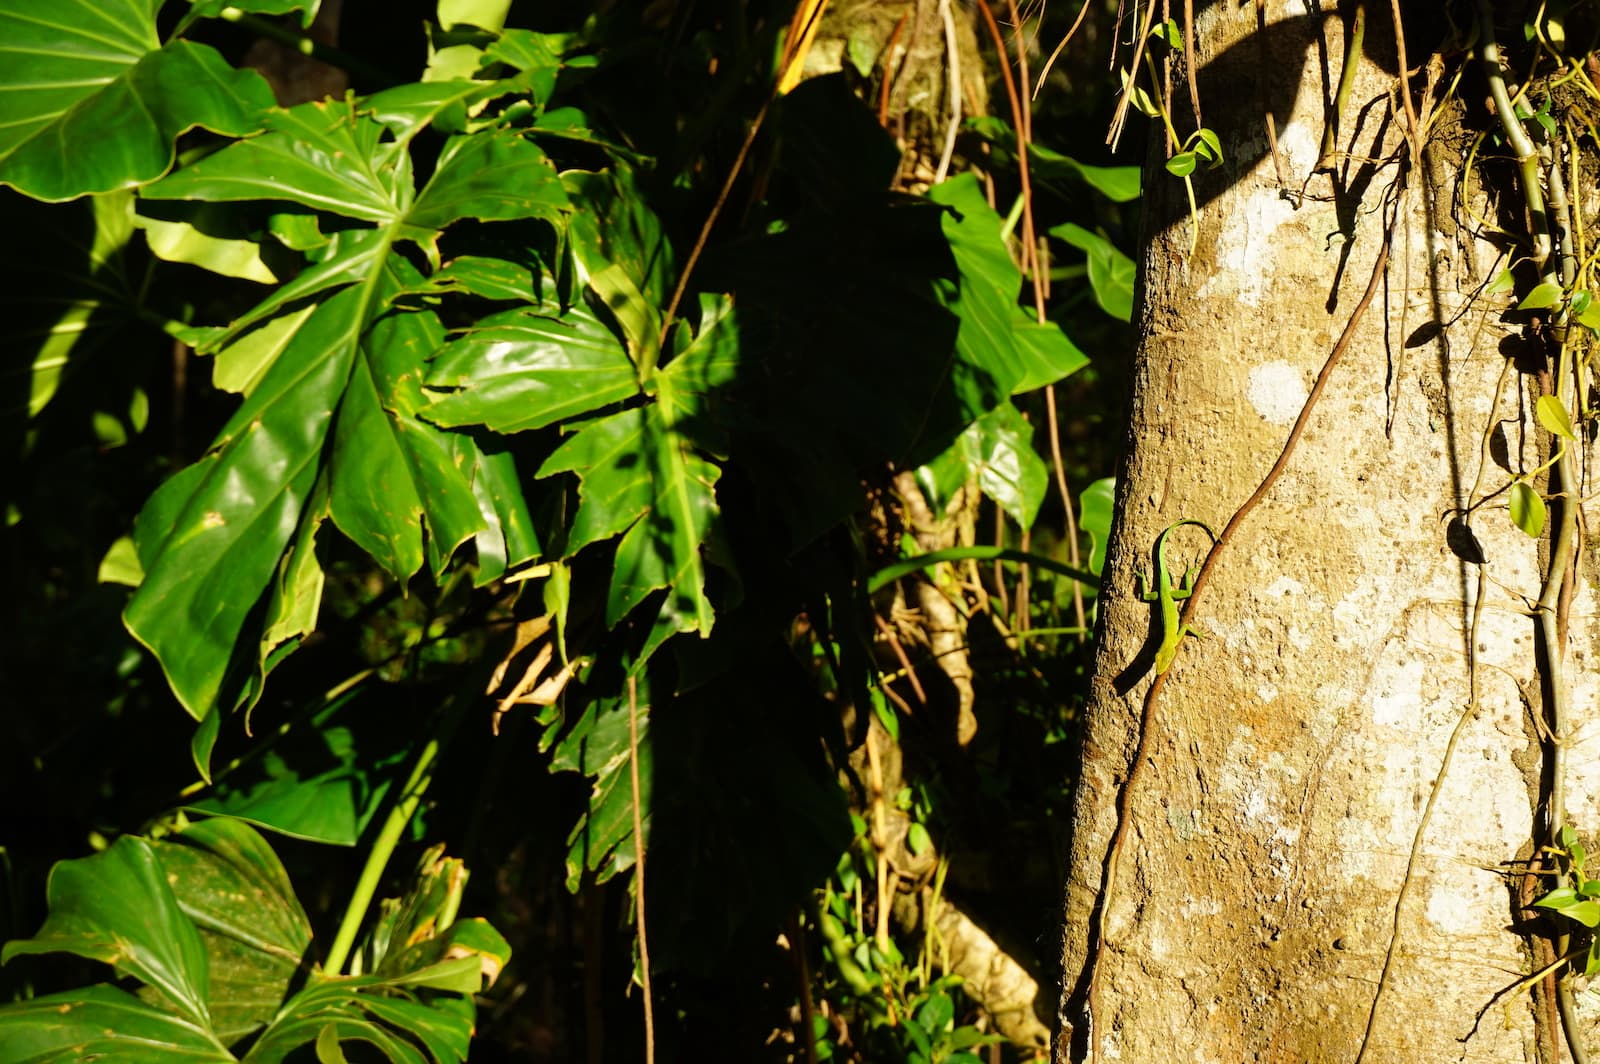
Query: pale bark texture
x=1296 y=745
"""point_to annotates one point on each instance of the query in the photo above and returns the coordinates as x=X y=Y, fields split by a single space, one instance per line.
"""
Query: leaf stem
x=403 y=806
x=889 y=574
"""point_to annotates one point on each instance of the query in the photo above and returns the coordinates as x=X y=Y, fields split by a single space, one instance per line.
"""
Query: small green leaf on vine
x=1527 y=509
x=1565 y=900
x=1546 y=294
x=1553 y=416
x=1181 y=164
x=918 y=840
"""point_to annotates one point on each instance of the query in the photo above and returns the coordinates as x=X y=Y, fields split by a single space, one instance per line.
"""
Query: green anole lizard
x=1167 y=595
x=1172 y=626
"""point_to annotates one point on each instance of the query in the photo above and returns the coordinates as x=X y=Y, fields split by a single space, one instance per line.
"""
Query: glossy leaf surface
x=90 y=101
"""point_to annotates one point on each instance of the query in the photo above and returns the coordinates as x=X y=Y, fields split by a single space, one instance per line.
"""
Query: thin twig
x=1045 y=71
x=953 y=60
x=1019 y=122
x=1053 y=428
x=795 y=56
x=900 y=654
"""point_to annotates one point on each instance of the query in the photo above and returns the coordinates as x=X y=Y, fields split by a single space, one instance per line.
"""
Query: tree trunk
x=1352 y=629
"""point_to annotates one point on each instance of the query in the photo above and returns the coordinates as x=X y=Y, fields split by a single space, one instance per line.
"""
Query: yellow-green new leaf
x=1527 y=509
x=1553 y=416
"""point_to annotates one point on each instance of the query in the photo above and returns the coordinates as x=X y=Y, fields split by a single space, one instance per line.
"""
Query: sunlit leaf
x=392 y=473
x=637 y=475
x=1182 y=164
x=1564 y=901
x=211 y=537
x=1095 y=507
x=1544 y=294
x=319 y=155
x=490 y=175
x=91 y=101
x=1527 y=508
x=1553 y=416
x=524 y=369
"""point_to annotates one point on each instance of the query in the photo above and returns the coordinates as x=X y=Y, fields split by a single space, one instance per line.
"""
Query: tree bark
x=1295 y=747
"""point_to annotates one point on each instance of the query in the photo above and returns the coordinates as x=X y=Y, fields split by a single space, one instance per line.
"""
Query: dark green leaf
x=638 y=475
x=597 y=746
x=617 y=228
x=481 y=275
x=118 y=907
x=322 y=780
x=232 y=886
x=1111 y=273
x=936 y=1013
x=211 y=537
x=393 y=473
x=102 y=1023
x=508 y=539
x=999 y=449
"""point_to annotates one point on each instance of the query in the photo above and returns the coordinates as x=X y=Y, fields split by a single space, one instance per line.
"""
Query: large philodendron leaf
x=390 y=471
x=322 y=155
x=210 y=539
x=118 y=907
x=208 y=920
x=91 y=101
x=233 y=889
x=102 y=1023
x=333 y=368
